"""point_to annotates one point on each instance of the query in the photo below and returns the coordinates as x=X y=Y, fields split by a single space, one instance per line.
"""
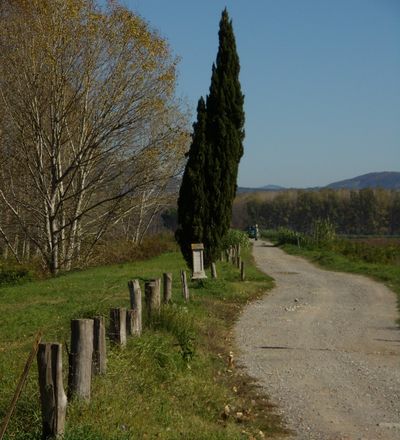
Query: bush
x=122 y=251
x=285 y=236
x=10 y=274
x=322 y=232
x=234 y=237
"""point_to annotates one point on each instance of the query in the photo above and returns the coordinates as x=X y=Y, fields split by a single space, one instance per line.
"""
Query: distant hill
x=385 y=179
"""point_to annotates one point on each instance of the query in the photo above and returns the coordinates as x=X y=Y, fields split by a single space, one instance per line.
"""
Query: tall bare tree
x=86 y=91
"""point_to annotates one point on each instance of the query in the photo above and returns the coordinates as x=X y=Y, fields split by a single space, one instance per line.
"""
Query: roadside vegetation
x=173 y=382
x=374 y=256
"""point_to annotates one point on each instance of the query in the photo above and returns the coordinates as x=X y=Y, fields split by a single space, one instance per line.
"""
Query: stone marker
x=198 y=261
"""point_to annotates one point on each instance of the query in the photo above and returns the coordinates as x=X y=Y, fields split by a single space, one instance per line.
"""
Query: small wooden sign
x=198 y=261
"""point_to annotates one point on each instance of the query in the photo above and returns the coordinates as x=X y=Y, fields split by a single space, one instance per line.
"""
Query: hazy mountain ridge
x=384 y=179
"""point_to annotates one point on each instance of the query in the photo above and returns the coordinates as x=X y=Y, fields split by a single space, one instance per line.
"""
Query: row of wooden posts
x=232 y=255
x=87 y=351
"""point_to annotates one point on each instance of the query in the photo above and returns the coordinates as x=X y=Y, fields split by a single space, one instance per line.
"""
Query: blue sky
x=321 y=80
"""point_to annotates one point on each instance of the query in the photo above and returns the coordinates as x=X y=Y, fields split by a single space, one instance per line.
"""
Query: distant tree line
x=368 y=211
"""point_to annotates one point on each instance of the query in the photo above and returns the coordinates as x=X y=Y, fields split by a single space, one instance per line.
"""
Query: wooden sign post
x=198 y=261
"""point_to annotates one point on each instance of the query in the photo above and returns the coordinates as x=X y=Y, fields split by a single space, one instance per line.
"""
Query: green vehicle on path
x=252 y=232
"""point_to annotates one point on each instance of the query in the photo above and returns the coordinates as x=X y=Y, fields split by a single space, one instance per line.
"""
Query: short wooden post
x=185 y=289
x=117 y=331
x=213 y=270
x=136 y=304
x=167 y=288
x=242 y=272
x=238 y=250
x=238 y=261
x=233 y=255
x=99 y=365
x=80 y=358
x=133 y=326
x=227 y=255
x=152 y=297
x=52 y=396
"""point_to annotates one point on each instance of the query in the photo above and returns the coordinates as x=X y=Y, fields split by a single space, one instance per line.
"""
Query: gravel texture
x=326 y=348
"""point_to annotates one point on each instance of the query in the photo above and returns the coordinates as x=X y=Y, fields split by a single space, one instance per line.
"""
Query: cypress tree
x=191 y=201
x=209 y=181
x=224 y=137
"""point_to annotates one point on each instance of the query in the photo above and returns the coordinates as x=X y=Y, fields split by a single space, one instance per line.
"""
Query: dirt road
x=326 y=348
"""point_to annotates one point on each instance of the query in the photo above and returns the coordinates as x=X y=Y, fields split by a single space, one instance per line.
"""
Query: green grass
x=388 y=273
x=171 y=383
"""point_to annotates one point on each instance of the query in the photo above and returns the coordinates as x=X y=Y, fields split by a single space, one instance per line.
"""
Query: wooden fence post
x=117 y=331
x=152 y=297
x=52 y=396
x=99 y=346
x=213 y=270
x=242 y=272
x=238 y=261
x=185 y=289
x=136 y=304
x=80 y=358
x=167 y=287
x=133 y=324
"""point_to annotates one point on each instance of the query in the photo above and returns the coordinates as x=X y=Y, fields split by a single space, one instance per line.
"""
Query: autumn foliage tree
x=90 y=124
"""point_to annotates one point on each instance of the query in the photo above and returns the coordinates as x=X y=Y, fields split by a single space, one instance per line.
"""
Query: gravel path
x=326 y=348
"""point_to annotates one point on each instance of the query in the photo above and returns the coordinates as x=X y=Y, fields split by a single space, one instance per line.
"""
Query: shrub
x=288 y=236
x=234 y=237
x=122 y=251
x=322 y=232
x=14 y=274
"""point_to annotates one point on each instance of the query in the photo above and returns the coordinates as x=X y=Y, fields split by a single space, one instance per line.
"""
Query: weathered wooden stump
x=238 y=261
x=167 y=287
x=99 y=365
x=53 y=400
x=227 y=255
x=152 y=297
x=80 y=358
x=185 y=289
x=242 y=271
x=213 y=270
x=136 y=304
x=133 y=324
x=117 y=331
